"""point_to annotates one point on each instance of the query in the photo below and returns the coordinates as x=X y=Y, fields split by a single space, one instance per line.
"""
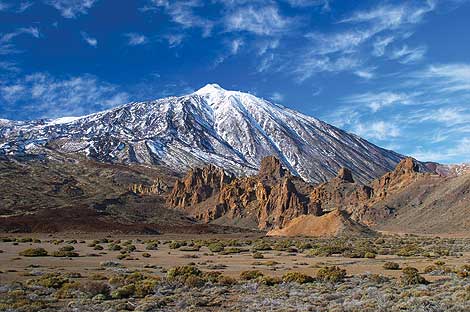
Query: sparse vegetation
x=391 y=266
x=297 y=277
x=411 y=276
x=281 y=282
x=331 y=274
x=34 y=252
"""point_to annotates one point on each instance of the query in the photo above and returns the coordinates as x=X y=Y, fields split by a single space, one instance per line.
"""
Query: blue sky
x=394 y=72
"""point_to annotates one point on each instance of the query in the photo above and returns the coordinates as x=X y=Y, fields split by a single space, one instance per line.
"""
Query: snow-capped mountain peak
x=231 y=129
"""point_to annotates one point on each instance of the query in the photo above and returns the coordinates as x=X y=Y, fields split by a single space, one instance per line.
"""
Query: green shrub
x=146 y=255
x=67 y=248
x=270 y=280
x=145 y=287
x=93 y=288
x=369 y=255
x=331 y=274
x=232 y=250
x=67 y=290
x=34 y=252
x=261 y=245
x=64 y=253
x=98 y=247
x=297 y=277
x=258 y=255
x=212 y=276
x=411 y=276
x=24 y=240
x=130 y=248
x=183 y=271
x=190 y=248
x=409 y=250
x=194 y=281
x=464 y=272
x=114 y=247
x=226 y=280
x=251 y=275
x=152 y=246
x=216 y=247
x=125 y=291
x=50 y=280
x=391 y=266
x=177 y=244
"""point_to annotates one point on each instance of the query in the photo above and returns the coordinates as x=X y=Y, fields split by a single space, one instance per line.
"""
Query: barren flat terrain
x=148 y=273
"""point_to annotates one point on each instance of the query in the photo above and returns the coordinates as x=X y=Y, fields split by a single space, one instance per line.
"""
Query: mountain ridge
x=231 y=129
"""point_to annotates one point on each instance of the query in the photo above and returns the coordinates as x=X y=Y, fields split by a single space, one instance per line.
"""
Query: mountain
x=229 y=129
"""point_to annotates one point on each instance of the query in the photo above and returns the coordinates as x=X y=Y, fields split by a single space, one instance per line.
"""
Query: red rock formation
x=270 y=198
x=198 y=185
x=405 y=173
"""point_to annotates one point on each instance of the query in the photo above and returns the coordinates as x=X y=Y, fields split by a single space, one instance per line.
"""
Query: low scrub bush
x=297 y=277
x=331 y=274
x=391 y=266
x=411 y=276
x=34 y=252
x=251 y=275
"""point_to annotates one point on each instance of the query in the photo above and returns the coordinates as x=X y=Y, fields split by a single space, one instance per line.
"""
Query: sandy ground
x=16 y=268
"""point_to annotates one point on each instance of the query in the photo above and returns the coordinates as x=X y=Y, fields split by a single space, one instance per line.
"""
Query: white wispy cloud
x=380 y=130
x=46 y=96
x=6 y=44
x=235 y=45
x=4 y=6
x=448 y=77
x=135 y=39
x=17 y=6
x=379 y=100
x=277 y=97
x=174 y=39
x=71 y=8
x=232 y=48
x=324 y=4
x=381 y=44
x=308 y=65
x=392 y=16
x=365 y=73
x=407 y=55
x=457 y=150
x=265 y=20
x=90 y=40
x=9 y=66
x=448 y=116
x=182 y=13
x=371 y=33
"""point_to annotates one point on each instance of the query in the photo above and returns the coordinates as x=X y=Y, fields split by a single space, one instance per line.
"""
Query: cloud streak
x=46 y=96
x=71 y=8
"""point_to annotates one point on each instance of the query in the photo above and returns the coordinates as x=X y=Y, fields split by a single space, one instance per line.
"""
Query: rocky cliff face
x=270 y=199
x=273 y=198
x=405 y=173
x=198 y=185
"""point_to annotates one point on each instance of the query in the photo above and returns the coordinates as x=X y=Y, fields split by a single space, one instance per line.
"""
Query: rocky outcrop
x=271 y=169
x=158 y=187
x=340 y=193
x=273 y=198
x=269 y=199
x=376 y=208
x=198 y=185
x=404 y=174
x=345 y=175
